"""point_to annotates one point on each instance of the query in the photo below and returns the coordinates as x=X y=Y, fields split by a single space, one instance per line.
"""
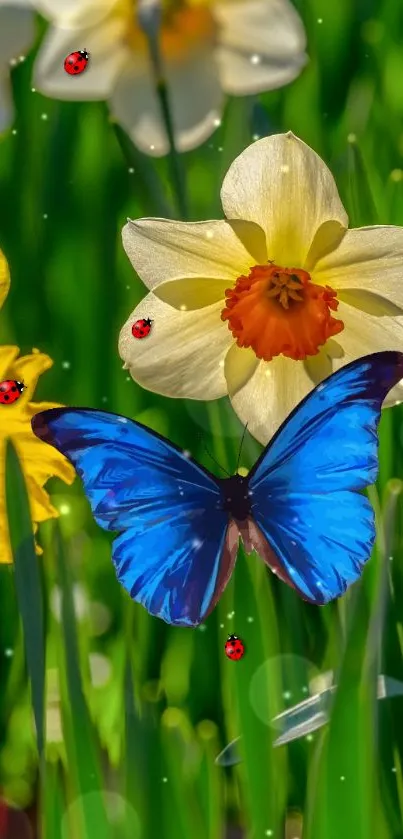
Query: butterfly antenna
x=213 y=458
x=240 y=447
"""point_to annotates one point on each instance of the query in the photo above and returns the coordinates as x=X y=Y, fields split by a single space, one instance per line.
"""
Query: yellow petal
x=7 y=357
x=269 y=396
x=368 y=259
x=4 y=278
x=284 y=186
x=27 y=370
x=161 y=250
x=183 y=356
x=38 y=460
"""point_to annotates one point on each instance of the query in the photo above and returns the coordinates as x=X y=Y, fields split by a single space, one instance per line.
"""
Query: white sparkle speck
x=13 y=61
x=342 y=777
x=164 y=780
x=8 y=652
x=21 y=58
x=287 y=694
x=209 y=234
x=14 y=131
x=284 y=168
x=255 y=59
x=131 y=170
x=186 y=453
x=309 y=737
x=221 y=626
x=217 y=122
x=33 y=89
x=66 y=365
x=250 y=619
x=45 y=215
x=64 y=509
x=394 y=769
x=44 y=116
x=256 y=137
x=183 y=308
x=196 y=543
x=220 y=148
x=320 y=19
x=152 y=148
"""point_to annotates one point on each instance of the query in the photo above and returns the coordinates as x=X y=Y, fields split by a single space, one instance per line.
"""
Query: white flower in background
x=17 y=29
x=265 y=304
x=209 y=48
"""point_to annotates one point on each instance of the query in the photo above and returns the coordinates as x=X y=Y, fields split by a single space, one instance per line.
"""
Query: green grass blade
x=82 y=753
x=28 y=585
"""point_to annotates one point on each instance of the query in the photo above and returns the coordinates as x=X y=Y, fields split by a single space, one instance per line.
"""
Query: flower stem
x=149 y=17
x=177 y=170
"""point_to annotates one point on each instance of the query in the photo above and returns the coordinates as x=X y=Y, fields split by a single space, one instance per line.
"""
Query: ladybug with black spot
x=141 y=328
x=234 y=648
x=10 y=391
x=76 y=62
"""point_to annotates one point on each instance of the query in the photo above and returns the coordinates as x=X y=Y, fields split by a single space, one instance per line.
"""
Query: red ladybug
x=141 y=328
x=10 y=391
x=76 y=62
x=234 y=648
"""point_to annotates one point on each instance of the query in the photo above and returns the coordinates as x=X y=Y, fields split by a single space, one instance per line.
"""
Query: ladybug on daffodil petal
x=234 y=648
x=76 y=62
x=10 y=391
x=141 y=328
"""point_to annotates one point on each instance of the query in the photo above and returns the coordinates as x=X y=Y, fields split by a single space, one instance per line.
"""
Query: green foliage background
x=135 y=711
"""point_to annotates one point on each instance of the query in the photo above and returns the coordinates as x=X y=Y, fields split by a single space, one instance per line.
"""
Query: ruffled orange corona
x=280 y=311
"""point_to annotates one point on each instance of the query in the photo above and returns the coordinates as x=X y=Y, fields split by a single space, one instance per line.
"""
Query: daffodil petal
x=27 y=370
x=161 y=250
x=7 y=357
x=4 y=278
x=183 y=356
x=41 y=459
x=107 y=58
x=364 y=333
x=284 y=186
x=261 y=45
x=260 y=27
x=240 y=365
x=195 y=97
x=268 y=397
x=240 y=76
x=368 y=259
x=74 y=13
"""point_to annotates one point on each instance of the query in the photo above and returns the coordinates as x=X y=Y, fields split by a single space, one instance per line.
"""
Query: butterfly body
x=301 y=507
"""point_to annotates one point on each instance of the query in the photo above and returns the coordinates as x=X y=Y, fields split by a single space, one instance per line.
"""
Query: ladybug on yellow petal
x=234 y=648
x=10 y=391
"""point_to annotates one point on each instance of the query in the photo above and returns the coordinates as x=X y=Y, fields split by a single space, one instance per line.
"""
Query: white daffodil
x=16 y=34
x=208 y=48
x=265 y=304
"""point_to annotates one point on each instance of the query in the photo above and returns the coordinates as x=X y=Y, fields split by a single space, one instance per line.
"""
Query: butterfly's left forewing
x=306 y=487
x=172 y=553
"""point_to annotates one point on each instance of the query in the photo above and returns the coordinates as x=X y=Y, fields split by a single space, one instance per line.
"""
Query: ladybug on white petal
x=76 y=62
x=234 y=648
x=142 y=328
x=10 y=391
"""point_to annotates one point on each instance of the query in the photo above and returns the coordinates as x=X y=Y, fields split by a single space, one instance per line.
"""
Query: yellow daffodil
x=16 y=34
x=265 y=304
x=208 y=48
x=39 y=461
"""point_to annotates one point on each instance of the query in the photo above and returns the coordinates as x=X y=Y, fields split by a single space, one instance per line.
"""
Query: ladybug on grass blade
x=76 y=62
x=141 y=328
x=234 y=648
x=10 y=391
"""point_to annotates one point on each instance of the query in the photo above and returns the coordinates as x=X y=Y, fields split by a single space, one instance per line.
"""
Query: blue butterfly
x=300 y=507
